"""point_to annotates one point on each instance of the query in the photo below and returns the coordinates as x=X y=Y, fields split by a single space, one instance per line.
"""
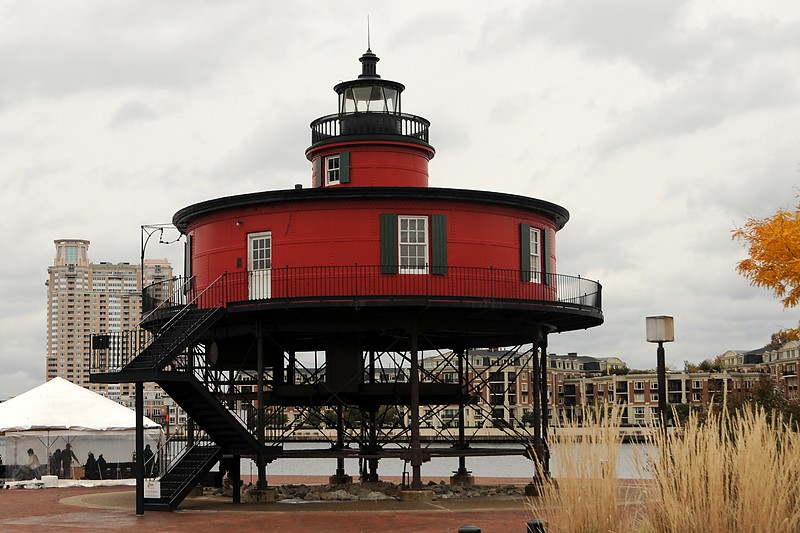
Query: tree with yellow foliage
x=773 y=244
x=782 y=337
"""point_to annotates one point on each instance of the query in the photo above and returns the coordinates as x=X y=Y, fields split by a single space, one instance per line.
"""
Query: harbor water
x=511 y=466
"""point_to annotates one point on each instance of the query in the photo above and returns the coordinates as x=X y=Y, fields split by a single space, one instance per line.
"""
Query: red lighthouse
x=368 y=265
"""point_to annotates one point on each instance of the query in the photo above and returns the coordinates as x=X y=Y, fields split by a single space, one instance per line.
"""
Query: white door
x=259 y=263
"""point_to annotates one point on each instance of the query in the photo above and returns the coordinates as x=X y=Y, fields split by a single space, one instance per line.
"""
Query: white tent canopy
x=59 y=412
x=61 y=405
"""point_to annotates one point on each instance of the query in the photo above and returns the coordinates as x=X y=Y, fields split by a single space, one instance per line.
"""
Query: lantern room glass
x=369 y=99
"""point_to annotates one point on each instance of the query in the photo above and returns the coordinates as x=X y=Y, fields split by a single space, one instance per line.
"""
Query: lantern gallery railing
x=369 y=124
x=354 y=282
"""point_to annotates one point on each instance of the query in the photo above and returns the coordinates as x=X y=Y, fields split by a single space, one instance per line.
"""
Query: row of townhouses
x=575 y=382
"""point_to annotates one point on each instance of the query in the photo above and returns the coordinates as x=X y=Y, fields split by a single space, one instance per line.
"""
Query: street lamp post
x=147 y=231
x=661 y=329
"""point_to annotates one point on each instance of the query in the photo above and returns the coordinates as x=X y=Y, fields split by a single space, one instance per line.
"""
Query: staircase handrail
x=177 y=316
x=176 y=446
x=183 y=287
x=188 y=305
x=217 y=386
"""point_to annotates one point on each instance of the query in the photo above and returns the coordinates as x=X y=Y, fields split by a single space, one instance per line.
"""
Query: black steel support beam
x=139 y=465
x=261 y=484
x=545 y=412
x=415 y=446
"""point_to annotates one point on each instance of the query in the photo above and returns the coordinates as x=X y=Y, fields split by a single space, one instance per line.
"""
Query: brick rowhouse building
x=366 y=264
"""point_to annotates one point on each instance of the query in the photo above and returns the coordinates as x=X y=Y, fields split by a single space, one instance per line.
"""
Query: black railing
x=173 y=449
x=112 y=351
x=370 y=124
x=166 y=293
x=354 y=282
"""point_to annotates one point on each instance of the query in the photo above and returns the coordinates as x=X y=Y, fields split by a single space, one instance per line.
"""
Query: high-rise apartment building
x=85 y=298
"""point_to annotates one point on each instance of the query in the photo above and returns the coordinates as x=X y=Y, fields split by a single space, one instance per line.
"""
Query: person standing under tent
x=101 y=466
x=55 y=463
x=66 y=460
x=91 y=467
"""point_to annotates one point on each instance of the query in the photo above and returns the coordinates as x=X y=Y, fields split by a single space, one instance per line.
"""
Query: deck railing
x=370 y=124
x=355 y=282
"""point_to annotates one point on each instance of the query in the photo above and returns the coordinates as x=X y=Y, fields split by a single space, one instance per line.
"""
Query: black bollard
x=536 y=526
x=469 y=529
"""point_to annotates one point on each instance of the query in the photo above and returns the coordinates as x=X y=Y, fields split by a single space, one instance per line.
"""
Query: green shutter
x=439 y=244
x=525 y=251
x=344 y=167
x=319 y=172
x=388 y=243
x=546 y=256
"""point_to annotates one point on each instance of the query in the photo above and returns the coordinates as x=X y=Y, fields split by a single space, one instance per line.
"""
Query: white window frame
x=332 y=173
x=418 y=261
x=638 y=385
x=536 y=255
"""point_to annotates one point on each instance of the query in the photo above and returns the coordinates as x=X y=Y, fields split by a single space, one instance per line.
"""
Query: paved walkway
x=113 y=509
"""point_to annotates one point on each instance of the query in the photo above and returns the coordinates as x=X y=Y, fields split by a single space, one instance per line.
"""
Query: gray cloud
x=131 y=112
x=658 y=125
x=704 y=103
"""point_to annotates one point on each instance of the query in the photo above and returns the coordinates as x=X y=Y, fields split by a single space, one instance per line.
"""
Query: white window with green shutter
x=413 y=244
x=331 y=170
x=536 y=255
x=534 y=252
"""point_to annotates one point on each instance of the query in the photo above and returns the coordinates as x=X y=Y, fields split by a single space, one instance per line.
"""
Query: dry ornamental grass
x=729 y=473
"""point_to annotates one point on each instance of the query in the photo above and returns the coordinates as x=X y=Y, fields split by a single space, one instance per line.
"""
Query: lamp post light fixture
x=147 y=231
x=661 y=329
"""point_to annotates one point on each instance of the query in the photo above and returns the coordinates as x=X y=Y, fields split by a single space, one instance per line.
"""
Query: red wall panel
x=384 y=165
x=341 y=233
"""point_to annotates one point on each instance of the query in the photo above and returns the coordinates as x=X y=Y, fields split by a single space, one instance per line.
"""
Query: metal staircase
x=183 y=475
x=219 y=423
x=169 y=360
x=174 y=337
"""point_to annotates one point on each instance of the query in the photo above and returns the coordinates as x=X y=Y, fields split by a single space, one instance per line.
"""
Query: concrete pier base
x=416 y=496
x=340 y=479
x=462 y=479
x=260 y=495
x=535 y=487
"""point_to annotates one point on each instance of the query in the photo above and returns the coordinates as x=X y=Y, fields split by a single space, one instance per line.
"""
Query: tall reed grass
x=732 y=472
x=586 y=495
x=728 y=473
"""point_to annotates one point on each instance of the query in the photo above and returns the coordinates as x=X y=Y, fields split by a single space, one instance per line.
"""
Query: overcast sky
x=660 y=125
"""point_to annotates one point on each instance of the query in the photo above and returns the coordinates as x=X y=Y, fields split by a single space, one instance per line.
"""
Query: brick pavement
x=112 y=509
